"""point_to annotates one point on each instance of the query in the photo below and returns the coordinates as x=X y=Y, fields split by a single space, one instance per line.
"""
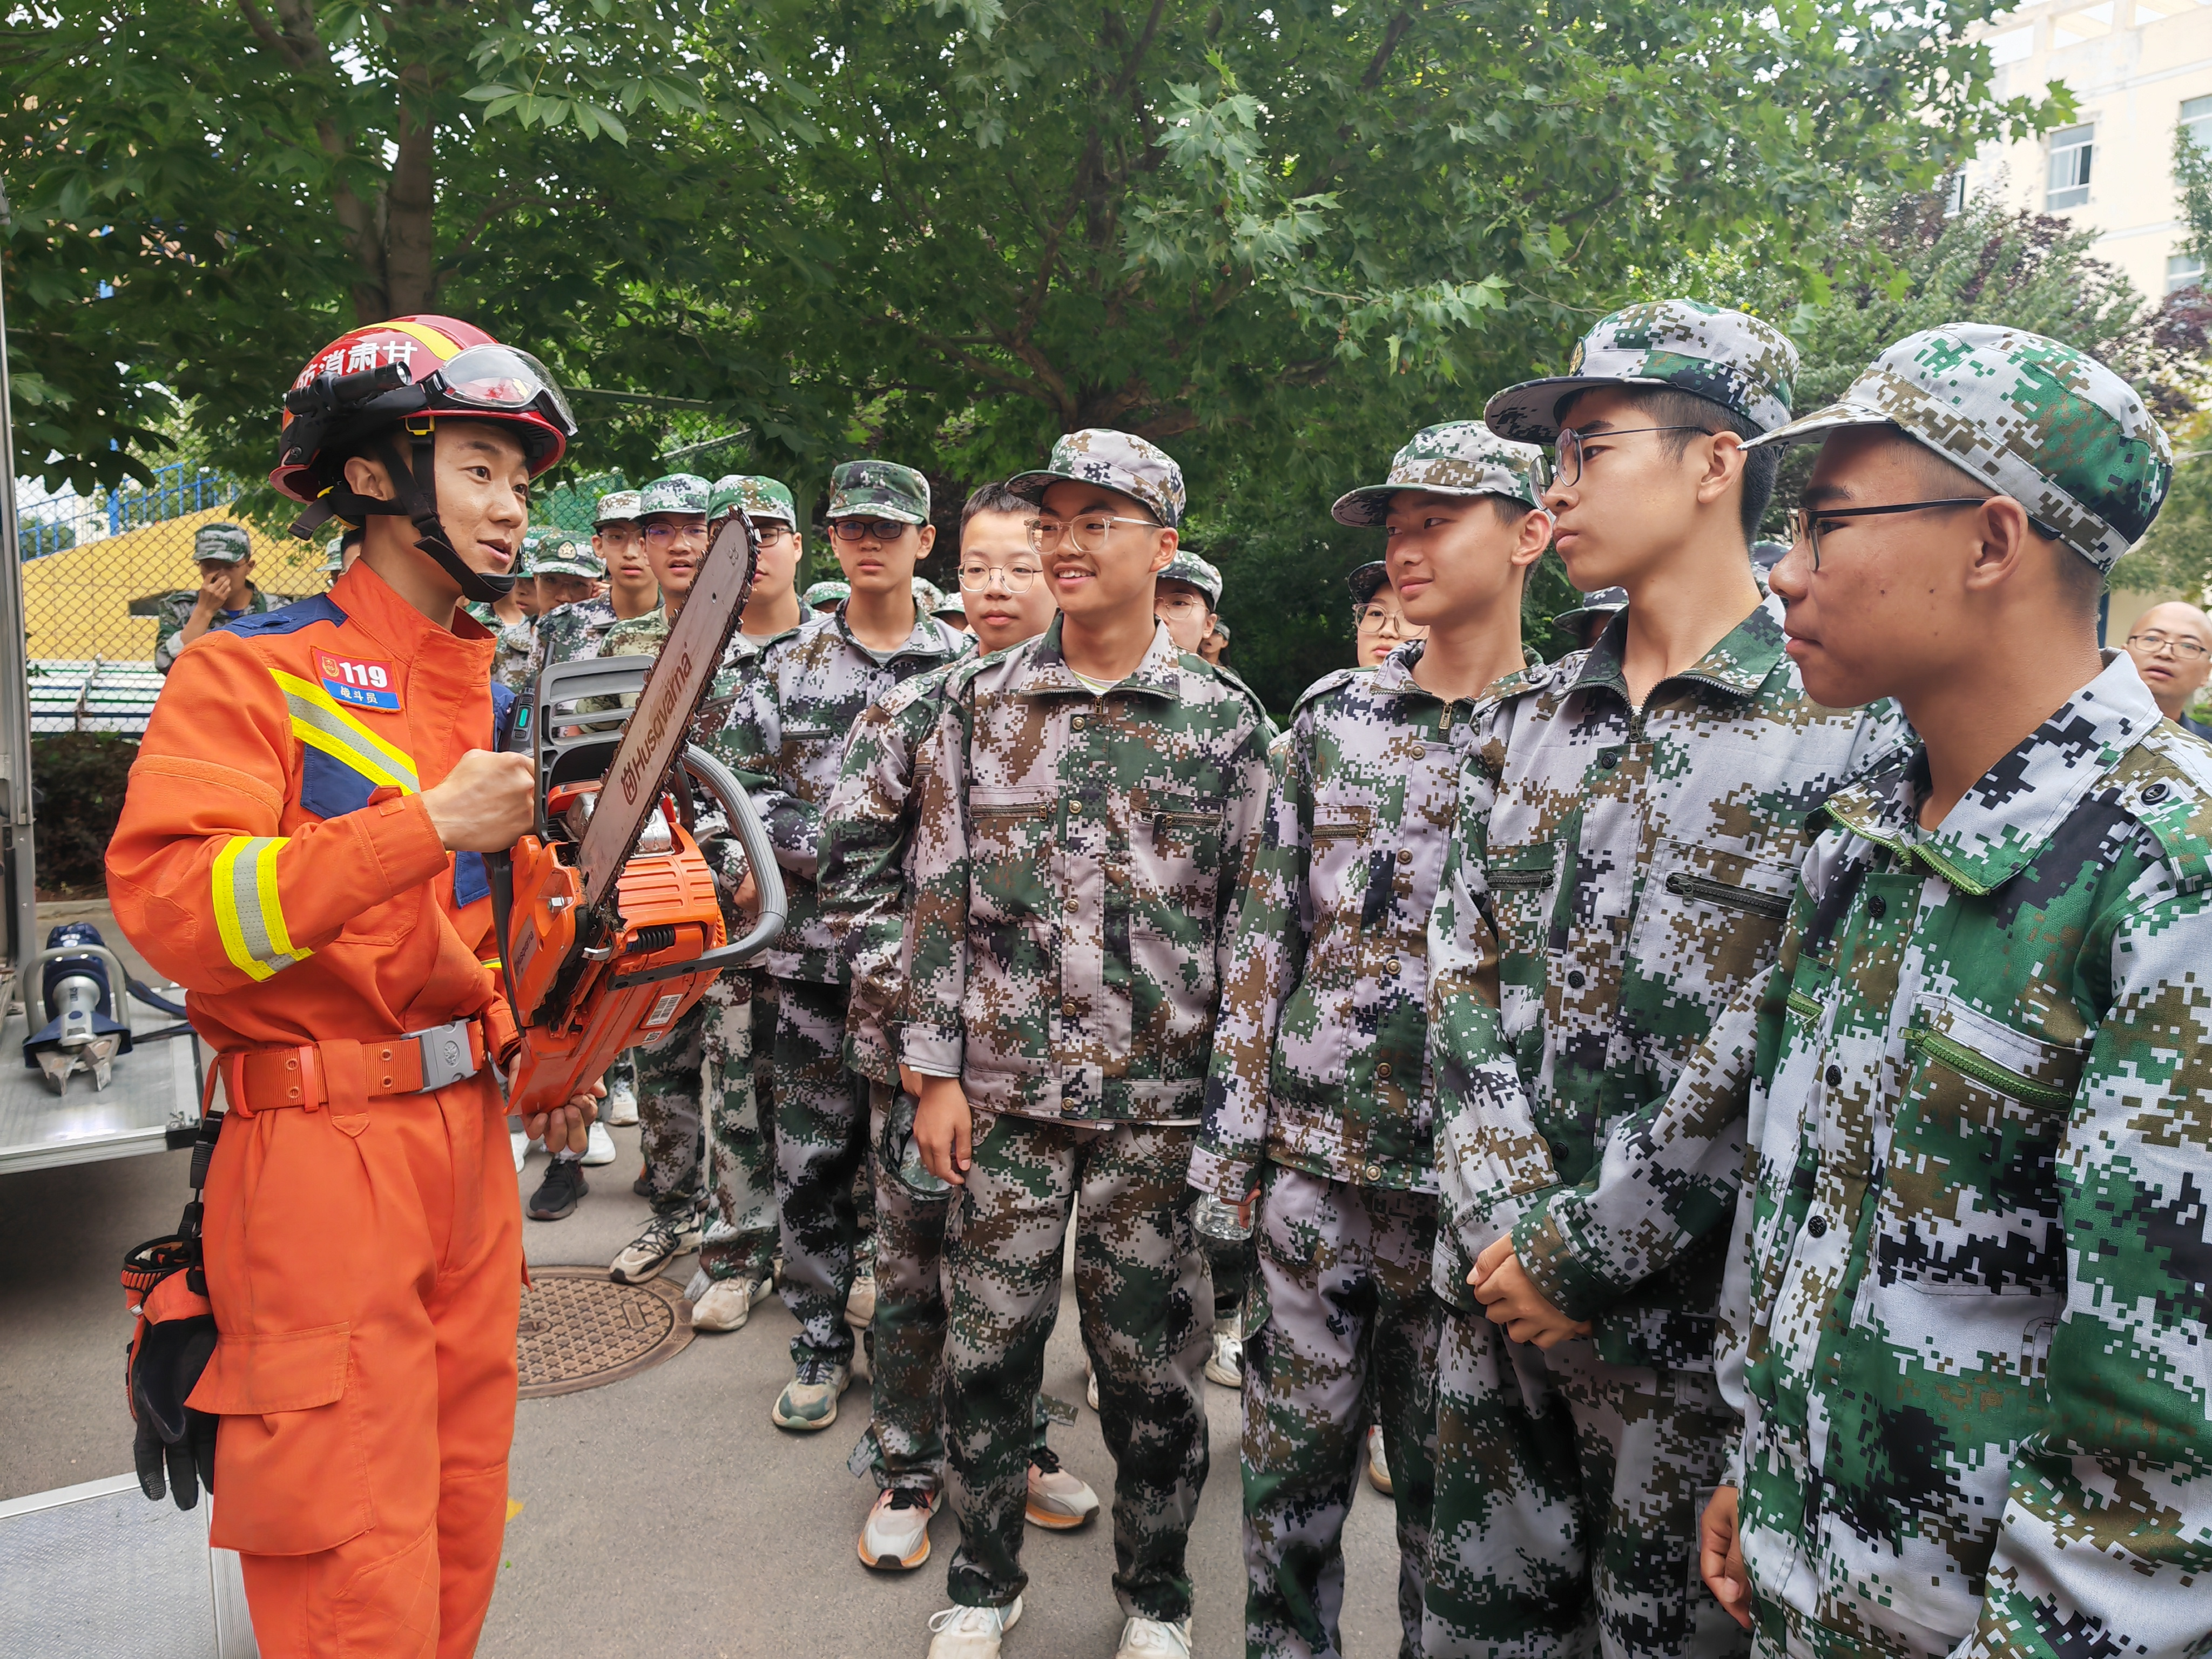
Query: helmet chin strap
x=417 y=500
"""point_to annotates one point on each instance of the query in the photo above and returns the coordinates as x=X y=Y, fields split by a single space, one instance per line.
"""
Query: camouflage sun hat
x=952 y=604
x=1120 y=460
x=757 y=498
x=566 y=553
x=1367 y=580
x=2047 y=425
x=680 y=492
x=227 y=542
x=1458 y=458
x=614 y=507
x=1188 y=566
x=1602 y=603
x=928 y=597
x=879 y=489
x=829 y=593
x=1726 y=357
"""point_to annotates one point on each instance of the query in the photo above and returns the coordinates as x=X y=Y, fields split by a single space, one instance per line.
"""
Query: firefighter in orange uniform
x=302 y=848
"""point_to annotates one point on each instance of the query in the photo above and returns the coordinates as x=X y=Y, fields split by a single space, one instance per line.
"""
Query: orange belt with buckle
x=346 y=1075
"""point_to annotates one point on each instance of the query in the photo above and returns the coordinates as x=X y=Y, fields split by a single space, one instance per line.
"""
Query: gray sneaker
x=809 y=1401
x=666 y=1236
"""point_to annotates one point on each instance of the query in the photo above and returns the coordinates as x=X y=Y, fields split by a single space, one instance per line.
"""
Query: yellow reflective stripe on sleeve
x=247 y=914
x=320 y=723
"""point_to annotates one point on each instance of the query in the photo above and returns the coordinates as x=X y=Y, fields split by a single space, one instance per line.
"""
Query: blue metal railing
x=60 y=523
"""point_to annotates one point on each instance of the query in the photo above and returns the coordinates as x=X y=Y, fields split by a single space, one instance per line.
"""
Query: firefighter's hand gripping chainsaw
x=607 y=919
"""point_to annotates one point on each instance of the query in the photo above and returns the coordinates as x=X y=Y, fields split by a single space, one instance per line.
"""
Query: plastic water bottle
x=1218 y=1221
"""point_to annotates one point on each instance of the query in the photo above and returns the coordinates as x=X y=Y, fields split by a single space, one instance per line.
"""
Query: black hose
x=153 y=999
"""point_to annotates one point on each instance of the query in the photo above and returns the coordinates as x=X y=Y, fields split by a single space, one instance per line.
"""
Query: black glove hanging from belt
x=164 y=1284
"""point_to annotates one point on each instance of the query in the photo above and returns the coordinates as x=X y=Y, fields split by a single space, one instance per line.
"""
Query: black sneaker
x=564 y=1184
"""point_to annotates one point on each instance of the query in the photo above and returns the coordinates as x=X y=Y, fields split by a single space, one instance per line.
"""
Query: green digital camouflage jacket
x=175 y=610
x=1320 y=1058
x=864 y=881
x=785 y=739
x=567 y=633
x=510 y=661
x=1076 y=861
x=1631 y=875
x=1967 y=1314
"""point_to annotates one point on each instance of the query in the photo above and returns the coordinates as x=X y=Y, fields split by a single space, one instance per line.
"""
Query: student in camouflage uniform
x=516 y=636
x=1317 y=1095
x=1378 y=619
x=1090 y=800
x=1634 y=838
x=1186 y=597
x=632 y=590
x=1966 y=1319
x=868 y=830
x=224 y=553
x=785 y=739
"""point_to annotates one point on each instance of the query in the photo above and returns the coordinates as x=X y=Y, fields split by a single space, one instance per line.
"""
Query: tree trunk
x=411 y=244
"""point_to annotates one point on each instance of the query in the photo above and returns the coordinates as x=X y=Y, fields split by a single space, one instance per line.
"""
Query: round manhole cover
x=581 y=1329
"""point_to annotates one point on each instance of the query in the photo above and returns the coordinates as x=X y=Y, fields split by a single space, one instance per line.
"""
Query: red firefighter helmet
x=374 y=379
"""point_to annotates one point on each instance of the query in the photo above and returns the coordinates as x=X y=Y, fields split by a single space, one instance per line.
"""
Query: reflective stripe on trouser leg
x=905 y=1436
x=1141 y=1292
x=740 y=1173
x=821 y=1131
x=1345 y=1273
x=669 y=1079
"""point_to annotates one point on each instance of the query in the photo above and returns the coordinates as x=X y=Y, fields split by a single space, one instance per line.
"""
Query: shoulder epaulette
x=291 y=620
x=1327 y=683
x=2165 y=784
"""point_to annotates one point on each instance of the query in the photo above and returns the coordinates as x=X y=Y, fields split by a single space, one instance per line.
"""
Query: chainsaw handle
x=767 y=876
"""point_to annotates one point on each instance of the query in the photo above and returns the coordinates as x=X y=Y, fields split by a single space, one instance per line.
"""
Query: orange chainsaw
x=606 y=914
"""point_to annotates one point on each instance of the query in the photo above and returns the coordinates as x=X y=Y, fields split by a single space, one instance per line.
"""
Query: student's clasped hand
x=1509 y=1298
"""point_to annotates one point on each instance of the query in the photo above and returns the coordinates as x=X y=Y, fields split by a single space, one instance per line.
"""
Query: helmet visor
x=497 y=377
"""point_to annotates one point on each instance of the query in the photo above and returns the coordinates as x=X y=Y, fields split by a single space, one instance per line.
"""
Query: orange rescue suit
x=363 y=1246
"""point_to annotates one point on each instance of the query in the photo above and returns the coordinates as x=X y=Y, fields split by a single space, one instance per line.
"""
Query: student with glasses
x=2171 y=645
x=867 y=846
x=785 y=739
x=1378 y=620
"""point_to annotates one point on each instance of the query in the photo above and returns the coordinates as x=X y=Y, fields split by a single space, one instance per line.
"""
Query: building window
x=2197 y=120
x=2184 y=271
x=2071 y=148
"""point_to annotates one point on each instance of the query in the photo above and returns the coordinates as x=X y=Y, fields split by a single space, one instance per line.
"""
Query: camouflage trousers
x=704 y=1130
x=904 y=1445
x=1568 y=1494
x=1142 y=1296
x=821 y=1142
x=1344 y=1271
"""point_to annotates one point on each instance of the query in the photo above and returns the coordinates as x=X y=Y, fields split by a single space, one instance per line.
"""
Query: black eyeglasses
x=1805 y=523
x=2151 y=641
x=1571 y=442
x=868 y=529
x=770 y=532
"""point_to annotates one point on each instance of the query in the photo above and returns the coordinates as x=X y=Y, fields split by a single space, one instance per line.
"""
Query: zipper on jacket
x=1776 y=905
x=1986 y=1072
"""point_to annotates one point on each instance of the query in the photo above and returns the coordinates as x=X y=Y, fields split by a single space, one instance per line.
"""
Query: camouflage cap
x=1120 y=460
x=928 y=597
x=952 y=604
x=1222 y=628
x=879 y=489
x=566 y=553
x=1602 y=603
x=1367 y=580
x=1458 y=458
x=1726 y=357
x=616 y=506
x=757 y=498
x=824 y=593
x=680 y=492
x=227 y=542
x=1188 y=566
x=2047 y=425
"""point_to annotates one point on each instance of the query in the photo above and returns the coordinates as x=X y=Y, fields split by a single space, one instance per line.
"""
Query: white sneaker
x=1225 y=1364
x=521 y=1145
x=971 y=1632
x=1154 y=1638
x=897 y=1536
x=1058 y=1501
x=1091 y=1385
x=598 y=1147
x=1378 y=1465
x=622 y=1104
x=861 y=1300
x=666 y=1236
x=723 y=1304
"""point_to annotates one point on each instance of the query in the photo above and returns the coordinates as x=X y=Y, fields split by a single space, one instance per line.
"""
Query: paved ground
x=664 y=1515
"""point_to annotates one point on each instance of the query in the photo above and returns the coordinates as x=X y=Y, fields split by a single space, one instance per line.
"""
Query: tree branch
x=1396 y=30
